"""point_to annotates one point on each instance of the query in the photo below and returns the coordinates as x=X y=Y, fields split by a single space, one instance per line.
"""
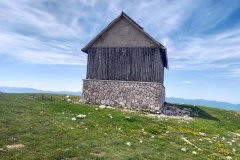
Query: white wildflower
x=141 y=141
x=200 y=140
x=111 y=117
x=86 y=128
x=233 y=140
x=74 y=119
x=142 y=129
x=210 y=141
x=167 y=132
x=152 y=136
x=119 y=129
x=96 y=109
x=184 y=149
x=129 y=143
x=223 y=138
x=234 y=150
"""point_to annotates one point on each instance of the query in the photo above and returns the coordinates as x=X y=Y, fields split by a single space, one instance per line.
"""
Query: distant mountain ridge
x=200 y=102
x=31 y=90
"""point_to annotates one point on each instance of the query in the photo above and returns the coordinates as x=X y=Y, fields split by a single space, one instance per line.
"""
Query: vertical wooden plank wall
x=125 y=64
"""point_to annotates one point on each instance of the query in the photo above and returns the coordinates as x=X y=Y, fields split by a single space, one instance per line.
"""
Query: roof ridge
x=126 y=16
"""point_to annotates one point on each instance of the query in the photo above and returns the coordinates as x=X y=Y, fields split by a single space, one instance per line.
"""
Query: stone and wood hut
x=125 y=67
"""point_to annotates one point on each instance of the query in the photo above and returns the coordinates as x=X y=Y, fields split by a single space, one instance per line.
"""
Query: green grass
x=47 y=131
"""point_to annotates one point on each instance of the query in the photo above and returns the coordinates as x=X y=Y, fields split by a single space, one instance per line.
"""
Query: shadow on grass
x=198 y=112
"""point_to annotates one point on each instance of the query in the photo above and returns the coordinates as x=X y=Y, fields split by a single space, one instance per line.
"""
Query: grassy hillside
x=36 y=128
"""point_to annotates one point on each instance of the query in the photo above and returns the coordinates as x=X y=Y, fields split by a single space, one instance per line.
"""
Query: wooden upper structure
x=124 y=51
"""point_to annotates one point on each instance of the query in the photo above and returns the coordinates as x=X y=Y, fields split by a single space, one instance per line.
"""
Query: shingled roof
x=124 y=15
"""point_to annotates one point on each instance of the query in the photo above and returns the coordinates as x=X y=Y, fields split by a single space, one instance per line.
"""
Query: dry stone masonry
x=142 y=95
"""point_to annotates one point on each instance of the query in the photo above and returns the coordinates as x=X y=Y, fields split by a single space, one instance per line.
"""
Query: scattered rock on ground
x=15 y=146
x=102 y=107
x=172 y=109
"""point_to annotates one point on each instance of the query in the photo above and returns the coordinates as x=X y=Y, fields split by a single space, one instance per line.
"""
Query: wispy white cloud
x=53 y=32
x=31 y=50
x=212 y=52
x=186 y=82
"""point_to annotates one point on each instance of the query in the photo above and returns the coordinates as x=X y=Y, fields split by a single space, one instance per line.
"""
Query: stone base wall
x=142 y=95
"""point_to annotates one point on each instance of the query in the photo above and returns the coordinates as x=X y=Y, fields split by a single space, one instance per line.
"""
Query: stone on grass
x=81 y=116
x=129 y=143
x=230 y=143
x=102 y=107
x=109 y=107
x=184 y=149
x=202 y=134
x=228 y=157
x=15 y=146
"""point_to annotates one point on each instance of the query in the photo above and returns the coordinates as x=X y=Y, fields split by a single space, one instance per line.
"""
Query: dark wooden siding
x=126 y=64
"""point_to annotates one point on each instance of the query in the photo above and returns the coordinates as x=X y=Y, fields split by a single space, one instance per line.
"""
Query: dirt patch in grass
x=98 y=154
x=15 y=146
x=175 y=144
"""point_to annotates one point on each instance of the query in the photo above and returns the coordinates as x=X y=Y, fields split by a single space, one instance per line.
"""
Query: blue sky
x=41 y=41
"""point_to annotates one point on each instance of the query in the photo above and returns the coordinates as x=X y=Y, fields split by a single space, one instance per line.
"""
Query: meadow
x=37 y=126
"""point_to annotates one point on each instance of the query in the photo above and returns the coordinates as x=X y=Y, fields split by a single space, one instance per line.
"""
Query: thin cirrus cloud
x=53 y=32
x=213 y=52
x=186 y=82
